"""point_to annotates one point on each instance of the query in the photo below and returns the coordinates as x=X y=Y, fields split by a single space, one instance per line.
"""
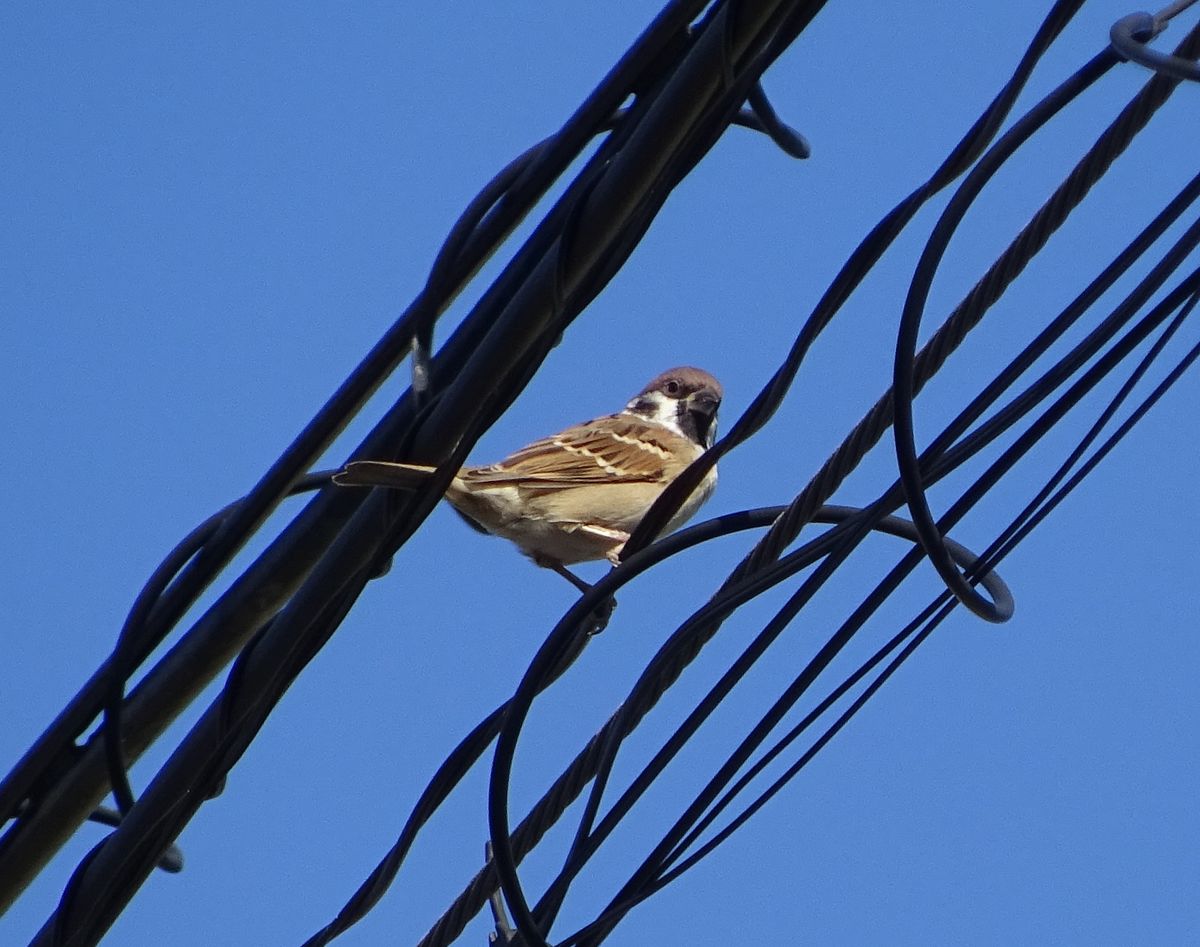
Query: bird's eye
x=672 y=387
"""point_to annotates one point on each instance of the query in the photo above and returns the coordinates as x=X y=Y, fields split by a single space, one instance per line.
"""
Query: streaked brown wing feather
x=583 y=455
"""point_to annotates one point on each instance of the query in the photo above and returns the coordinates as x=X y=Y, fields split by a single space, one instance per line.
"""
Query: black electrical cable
x=1086 y=77
x=1053 y=213
x=643 y=882
x=459 y=391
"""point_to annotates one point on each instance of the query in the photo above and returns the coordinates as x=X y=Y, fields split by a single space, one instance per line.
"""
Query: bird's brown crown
x=683 y=381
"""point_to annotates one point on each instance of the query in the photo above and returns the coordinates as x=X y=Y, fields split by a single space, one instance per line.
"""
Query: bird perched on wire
x=576 y=496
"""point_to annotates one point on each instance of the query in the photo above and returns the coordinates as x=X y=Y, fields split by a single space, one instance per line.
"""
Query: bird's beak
x=702 y=404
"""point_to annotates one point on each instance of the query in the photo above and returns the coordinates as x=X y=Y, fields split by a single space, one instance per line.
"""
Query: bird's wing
x=609 y=450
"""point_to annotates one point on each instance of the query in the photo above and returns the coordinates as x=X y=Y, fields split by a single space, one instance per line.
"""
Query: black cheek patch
x=701 y=422
x=695 y=424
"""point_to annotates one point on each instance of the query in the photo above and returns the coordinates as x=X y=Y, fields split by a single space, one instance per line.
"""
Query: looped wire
x=1090 y=168
x=1131 y=36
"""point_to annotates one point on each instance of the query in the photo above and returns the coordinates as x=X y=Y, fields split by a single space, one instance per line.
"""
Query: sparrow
x=578 y=495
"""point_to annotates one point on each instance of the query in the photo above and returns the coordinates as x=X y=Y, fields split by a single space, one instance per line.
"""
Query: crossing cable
x=962 y=156
x=444 y=414
x=1092 y=166
x=646 y=881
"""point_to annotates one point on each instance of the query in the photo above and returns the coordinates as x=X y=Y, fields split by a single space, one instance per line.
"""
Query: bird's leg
x=567 y=574
x=602 y=613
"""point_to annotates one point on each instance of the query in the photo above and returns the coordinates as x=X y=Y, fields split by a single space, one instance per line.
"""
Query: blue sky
x=210 y=217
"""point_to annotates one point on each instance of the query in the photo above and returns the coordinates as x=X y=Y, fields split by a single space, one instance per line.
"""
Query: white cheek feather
x=665 y=410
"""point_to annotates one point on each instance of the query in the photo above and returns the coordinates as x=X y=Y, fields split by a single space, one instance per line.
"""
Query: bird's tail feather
x=382 y=473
